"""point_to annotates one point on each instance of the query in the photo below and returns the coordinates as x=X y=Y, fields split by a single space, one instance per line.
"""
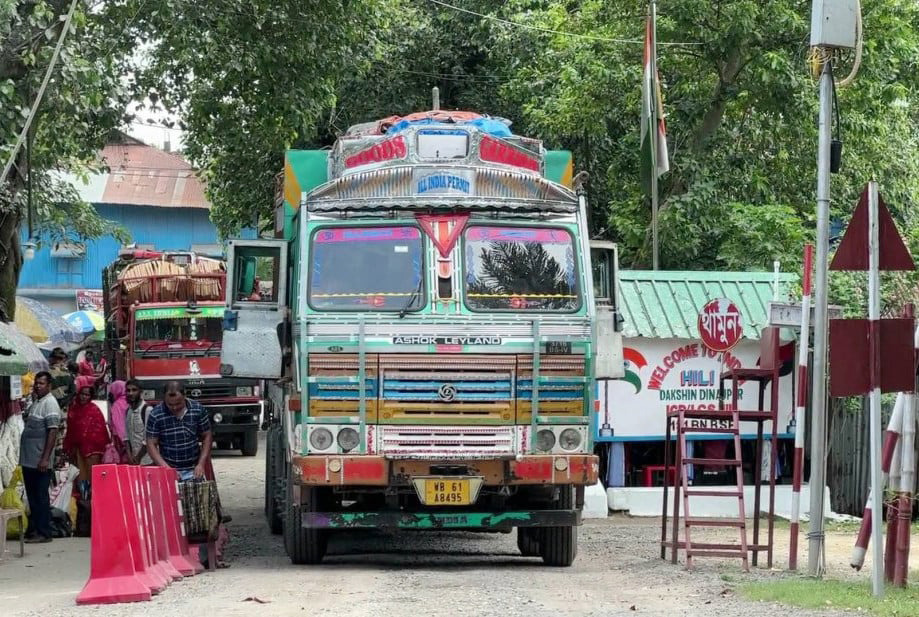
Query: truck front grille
x=446 y=442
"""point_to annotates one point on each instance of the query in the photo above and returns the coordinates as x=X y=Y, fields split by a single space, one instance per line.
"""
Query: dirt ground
x=618 y=572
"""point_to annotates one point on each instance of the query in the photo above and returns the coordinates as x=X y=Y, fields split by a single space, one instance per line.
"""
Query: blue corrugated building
x=154 y=194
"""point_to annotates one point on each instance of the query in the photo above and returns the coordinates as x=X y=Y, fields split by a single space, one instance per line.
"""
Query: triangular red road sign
x=852 y=253
x=443 y=229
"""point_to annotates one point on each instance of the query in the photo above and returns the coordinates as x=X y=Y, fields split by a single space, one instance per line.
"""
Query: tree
x=252 y=79
x=84 y=101
x=739 y=96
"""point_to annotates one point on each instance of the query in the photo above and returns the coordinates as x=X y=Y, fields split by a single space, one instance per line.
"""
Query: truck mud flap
x=441 y=520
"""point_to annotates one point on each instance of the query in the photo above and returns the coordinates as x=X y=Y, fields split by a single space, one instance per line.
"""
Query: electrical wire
x=515 y=24
x=859 y=43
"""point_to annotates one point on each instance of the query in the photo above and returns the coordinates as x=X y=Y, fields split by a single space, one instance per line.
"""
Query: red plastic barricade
x=176 y=541
x=113 y=576
x=158 y=506
x=138 y=541
x=146 y=566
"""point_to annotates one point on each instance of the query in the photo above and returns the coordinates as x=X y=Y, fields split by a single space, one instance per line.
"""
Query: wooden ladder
x=702 y=549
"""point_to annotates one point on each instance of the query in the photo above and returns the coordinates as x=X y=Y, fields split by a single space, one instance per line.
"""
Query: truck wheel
x=274 y=481
x=559 y=545
x=250 y=443
x=528 y=541
x=304 y=546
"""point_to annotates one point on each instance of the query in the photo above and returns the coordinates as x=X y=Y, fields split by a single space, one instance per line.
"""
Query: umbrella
x=41 y=324
x=85 y=322
x=18 y=354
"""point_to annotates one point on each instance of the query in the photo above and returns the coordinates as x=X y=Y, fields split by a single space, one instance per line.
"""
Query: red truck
x=164 y=322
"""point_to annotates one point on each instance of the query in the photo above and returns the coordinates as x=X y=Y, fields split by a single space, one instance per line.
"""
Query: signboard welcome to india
x=666 y=374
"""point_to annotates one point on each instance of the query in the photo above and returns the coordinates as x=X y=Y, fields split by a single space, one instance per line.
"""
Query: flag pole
x=655 y=245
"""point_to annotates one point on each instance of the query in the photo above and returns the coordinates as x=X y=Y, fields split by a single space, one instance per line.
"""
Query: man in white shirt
x=36 y=447
x=136 y=424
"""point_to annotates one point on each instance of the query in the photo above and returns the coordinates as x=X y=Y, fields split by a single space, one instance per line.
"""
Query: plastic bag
x=62 y=492
x=61 y=526
x=111 y=456
x=11 y=499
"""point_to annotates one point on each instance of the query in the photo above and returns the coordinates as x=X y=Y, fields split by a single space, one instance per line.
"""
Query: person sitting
x=87 y=434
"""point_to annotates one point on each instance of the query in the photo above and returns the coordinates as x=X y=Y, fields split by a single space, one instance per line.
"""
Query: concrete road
x=618 y=572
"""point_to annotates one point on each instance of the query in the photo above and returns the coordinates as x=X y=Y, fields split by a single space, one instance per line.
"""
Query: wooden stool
x=5 y=517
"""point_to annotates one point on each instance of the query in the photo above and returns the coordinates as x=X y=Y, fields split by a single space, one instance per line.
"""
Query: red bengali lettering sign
x=720 y=325
x=496 y=151
x=384 y=151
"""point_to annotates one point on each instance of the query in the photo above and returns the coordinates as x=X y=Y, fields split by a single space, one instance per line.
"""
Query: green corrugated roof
x=666 y=304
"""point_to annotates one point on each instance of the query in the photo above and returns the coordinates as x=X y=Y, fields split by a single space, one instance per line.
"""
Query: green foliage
x=84 y=101
x=252 y=79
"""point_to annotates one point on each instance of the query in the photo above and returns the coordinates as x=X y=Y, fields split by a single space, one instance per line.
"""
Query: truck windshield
x=183 y=335
x=366 y=269
x=520 y=269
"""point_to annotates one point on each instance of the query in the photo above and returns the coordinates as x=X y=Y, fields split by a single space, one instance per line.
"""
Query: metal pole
x=874 y=342
x=41 y=93
x=818 y=430
x=655 y=243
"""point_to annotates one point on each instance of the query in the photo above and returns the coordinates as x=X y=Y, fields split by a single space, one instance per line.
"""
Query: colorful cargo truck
x=163 y=315
x=438 y=317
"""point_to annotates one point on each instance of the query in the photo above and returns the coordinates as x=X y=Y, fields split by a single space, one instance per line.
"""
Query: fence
x=849 y=452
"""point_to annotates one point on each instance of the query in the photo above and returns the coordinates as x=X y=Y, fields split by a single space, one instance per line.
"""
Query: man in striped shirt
x=179 y=434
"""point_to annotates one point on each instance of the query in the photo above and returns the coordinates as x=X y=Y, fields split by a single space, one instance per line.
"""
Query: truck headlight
x=218 y=418
x=149 y=395
x=244 y=391
x=321 y=439
x=570 y=439
x=348 y=439
x=545 y=440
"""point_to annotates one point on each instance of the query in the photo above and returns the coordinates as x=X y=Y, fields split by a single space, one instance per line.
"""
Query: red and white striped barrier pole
x=800 y=405
x=907 y=484
x=890 y=466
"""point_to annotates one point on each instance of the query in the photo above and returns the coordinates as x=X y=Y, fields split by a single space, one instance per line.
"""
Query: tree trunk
x=10 y=263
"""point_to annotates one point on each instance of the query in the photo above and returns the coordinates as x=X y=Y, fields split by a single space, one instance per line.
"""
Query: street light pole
x=818 y=422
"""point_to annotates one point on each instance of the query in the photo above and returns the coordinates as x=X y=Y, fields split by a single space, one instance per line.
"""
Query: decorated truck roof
x=429 y=160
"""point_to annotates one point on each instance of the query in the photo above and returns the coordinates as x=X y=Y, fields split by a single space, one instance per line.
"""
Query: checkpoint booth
x=668 y=366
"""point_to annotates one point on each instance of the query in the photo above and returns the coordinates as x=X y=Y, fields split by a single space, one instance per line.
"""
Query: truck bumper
x=234 y=418
x=499 y=521
x=344 y=470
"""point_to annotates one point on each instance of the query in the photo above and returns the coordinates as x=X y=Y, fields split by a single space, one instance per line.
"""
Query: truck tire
x=274 y=481
x=528 y=541
x=250 y=443
x=304 y=546
x=558 y=546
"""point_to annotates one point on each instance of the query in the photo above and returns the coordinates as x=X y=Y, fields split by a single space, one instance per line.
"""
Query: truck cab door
x=256 y=309
x=609 y=355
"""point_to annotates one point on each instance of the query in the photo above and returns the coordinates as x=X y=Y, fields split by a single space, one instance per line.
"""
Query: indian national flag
x=651 y=95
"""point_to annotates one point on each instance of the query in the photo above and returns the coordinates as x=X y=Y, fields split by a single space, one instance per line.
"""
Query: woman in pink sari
x=117 y=419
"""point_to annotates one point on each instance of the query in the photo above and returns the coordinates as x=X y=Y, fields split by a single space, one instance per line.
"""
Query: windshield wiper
x=413 y=297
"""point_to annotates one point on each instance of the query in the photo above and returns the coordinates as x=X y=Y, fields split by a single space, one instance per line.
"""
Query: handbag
x=199 y=506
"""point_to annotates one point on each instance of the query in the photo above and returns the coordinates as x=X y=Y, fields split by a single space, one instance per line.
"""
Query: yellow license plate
x=448 y=492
